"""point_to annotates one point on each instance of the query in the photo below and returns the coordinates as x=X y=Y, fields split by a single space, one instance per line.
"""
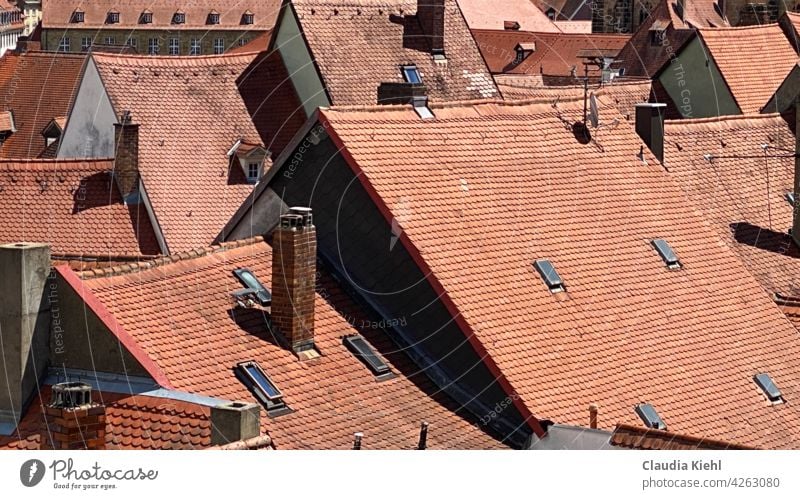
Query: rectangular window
x=359 y=346
x=152 y=46
x=665 y=251
x=242 y=41
x=86 y=42
x=63 y=44
x=256 y=380
x=252 y=172
x=549 y=275
x=194 y=47
x=411 y=74
x=112 y=17
x=133 y=42
x=219 y=45
x=764 y=381
x=110 y=40
x=174 y=46
x=250 y=281
x=650 y=417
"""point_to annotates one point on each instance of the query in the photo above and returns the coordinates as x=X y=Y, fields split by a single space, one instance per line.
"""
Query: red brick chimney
x=294 y=265
x=72 y=420
x=430 y=14
x=126 y=161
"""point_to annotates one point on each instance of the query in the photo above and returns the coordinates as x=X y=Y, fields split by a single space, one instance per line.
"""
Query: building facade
x=11 y=26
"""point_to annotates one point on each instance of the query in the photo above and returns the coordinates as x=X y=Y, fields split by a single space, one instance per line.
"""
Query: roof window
x=112 y=17
x=213 y=17
x=665 y=252
x=146 y=17
x=411 y=74
x=764 y=381
x=549 y=275
x=78 y=16
x=790 y=198
x=650 y=417
x=256 y=380
x=249 y=280
x=248 y=17
x=179 y=17
x=359 y=346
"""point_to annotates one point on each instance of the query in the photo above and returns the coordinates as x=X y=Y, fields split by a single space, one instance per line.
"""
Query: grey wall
x=90 y=128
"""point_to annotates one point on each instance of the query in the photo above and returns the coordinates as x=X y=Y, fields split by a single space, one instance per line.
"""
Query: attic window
x=411 y=74
x=248 y=17
x=764 y=381
x=665 y=252
x=259 y=384
x=790 y=198
x=358 y=345
x=178 y=18
x=650 y=417
x=249 y=280
x=213 y=17
x=551 y=14
x=549 y=275
x=112 y=17
x=78 y=16
x=146 y=17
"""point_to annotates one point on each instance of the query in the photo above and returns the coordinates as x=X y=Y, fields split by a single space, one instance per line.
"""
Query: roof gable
x=480 y=14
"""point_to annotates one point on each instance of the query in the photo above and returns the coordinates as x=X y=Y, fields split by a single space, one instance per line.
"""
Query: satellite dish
x=594 y=116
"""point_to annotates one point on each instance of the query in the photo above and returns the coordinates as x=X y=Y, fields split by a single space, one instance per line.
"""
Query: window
x=63 y=44
x=252 y=172
x=243 y=41
x=790 y=198
x=650 y=417
x=257 y=381
x=665 y=252
x=250 y=281
x=174 y=46
x=152 y=46
x=112 y=17
x=549 y=275
x=764 y=381
x=551 y=14
x=86 y=42
x=78 y=16
x=194 y=47
x=213 y=17
x=598 y=16
x=110 y=40
x=219 y=45
x=178 y=18
x=133 y=42
x=248 y=18
x=622 y=16
x=146 y=18
x=411 y=74
x=359 y=346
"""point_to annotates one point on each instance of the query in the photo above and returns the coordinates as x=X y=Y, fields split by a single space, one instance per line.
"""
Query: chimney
x=24 y=326
x=126 y=161
x=294 y=259
x=423 y=436
x=234 y=422
x=796 y=210
x=592 y=415
x=357 y=440
x=72 y=420
x=430 y=14
x=650 y=126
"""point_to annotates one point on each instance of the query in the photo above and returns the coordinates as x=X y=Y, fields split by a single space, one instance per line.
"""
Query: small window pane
x=764 y=381
x=411 y=74
x=650 y=417
x=665 y=251
x=549 y=275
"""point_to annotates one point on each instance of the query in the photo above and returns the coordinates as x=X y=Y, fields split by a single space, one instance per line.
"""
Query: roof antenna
x=423 y=436
x=357 y=440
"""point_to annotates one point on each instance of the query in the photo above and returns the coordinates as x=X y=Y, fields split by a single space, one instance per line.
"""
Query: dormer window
x=251 y=159
x=146 y=17
x=112 y=17
x=213 y=17
x=551 y=14
x=78 y=16
x=523 y=50
x=248 y=18
x=178 y=17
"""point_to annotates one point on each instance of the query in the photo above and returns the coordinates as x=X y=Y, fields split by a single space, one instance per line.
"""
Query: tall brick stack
x=294 y=259
x=72 y=420
x=126 y=161
x=430 y=14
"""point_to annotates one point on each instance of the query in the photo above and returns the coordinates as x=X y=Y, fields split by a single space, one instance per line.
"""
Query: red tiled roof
x=74 y=205
x=494 y=186
x=481 y=14
x=742 y=189
x=376 y=48
x=636 y=437
x=7 y=121
x=555 y=54
x=58 y=14
x=190 y=114
x=36 y=87
x=752 y=73
x=196 y=337
x=132 y=422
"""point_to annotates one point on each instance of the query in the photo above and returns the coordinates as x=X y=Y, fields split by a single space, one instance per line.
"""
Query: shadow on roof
x=764 y=239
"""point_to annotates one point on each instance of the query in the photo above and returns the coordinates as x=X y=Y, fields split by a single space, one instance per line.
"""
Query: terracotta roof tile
x=742 y=189
x=376 y=48
x=190 y=114
x=481 y=14
x=751 y=73
x=635 y=437
x=627 y=329
x=36 y=87
x=74 y=205
x=181 y=315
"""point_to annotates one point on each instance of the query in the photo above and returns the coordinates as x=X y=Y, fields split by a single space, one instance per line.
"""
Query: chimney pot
x=423 y=436
x=357 y=440
x=650 y=126
x=592 y=415
x=72 y=420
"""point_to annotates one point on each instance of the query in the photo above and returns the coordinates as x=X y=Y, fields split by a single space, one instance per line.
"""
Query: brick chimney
x=294 y=264
x=126 y=161
x=430 y=14
x=650 y=126
x=24 y=326
x=72 y=420
x=234 y=422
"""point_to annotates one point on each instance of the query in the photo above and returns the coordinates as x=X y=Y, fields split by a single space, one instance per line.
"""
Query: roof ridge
x=449 y=105
x=726 y=118
x=180 y=58
x=131 y=268
x=752 y=27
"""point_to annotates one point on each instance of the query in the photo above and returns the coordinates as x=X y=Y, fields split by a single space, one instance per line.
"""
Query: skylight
x=366 y=354
x=773 y=393
x=650 y=417
x=411 y=74
x=249 y=280
x=549 y=275
x=666 y=253
x=790 y=198
x=256 y=380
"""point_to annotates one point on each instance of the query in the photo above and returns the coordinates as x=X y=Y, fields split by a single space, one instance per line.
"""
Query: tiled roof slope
x=636 y=437
x=481 y=14
x=132 y=422
x=753 y=60
x=181 y=315
x=190 y=114
x=36 y=87
x=790 y=23
x=555 y=54
x=742 y=189
x=358 y=44
x=74 y=205
x=494 y=186
x=58 y=14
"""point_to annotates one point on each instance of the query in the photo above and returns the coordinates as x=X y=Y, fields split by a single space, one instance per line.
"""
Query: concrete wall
x=695 y=84
x=90 y=128
x=297 y=59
